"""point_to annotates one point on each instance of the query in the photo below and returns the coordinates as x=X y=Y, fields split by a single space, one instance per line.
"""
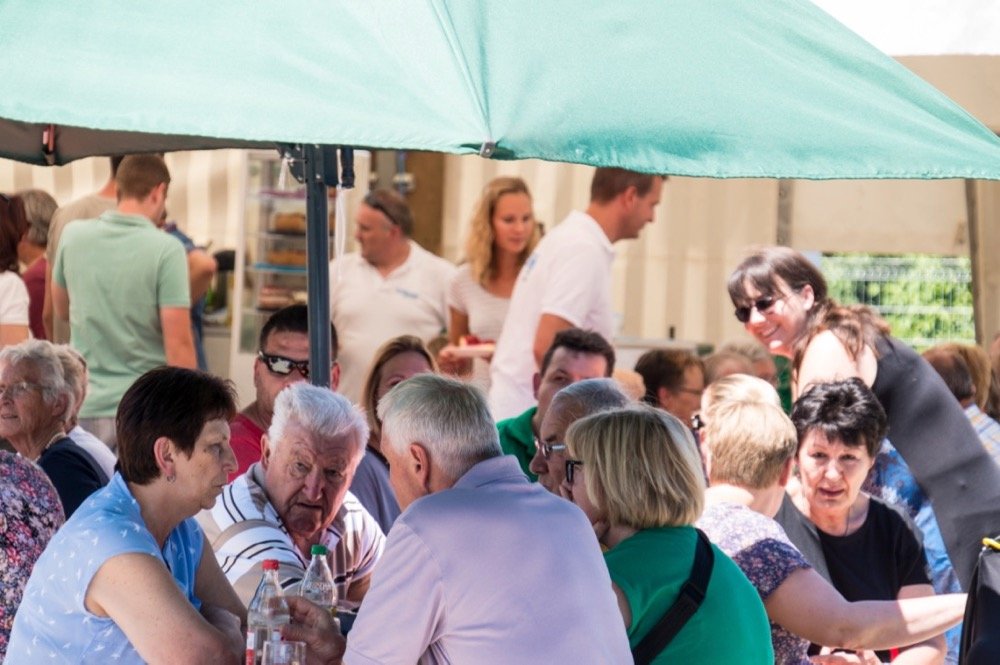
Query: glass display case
x=270 y=271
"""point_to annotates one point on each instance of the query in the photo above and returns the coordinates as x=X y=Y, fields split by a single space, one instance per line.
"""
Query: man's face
x=551 y=468
x=306 y=478
x=564 y=368
x=375 y=234
x=642 y=210
x=686 y=400
x=287 y=344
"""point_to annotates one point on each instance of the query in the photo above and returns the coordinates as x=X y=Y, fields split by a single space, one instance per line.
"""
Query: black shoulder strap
x=687 y=603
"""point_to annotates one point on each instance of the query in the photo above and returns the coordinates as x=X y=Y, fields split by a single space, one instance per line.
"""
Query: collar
x=589 y=225
x=114 y=217
x=502 y=468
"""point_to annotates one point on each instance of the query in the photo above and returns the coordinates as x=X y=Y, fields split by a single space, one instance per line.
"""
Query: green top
x=518 y=439
x=731 y=625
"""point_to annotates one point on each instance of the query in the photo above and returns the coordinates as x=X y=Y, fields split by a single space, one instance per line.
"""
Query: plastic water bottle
x=267 y=613
x=317 y=585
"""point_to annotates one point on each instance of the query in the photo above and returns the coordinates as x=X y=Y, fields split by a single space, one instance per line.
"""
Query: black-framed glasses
x=571 y=465
x=546 y=449
x=283 y=366
x=762 y=305
x=697 y=424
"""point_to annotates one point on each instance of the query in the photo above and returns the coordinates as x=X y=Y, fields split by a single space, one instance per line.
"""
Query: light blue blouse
x=52 y=625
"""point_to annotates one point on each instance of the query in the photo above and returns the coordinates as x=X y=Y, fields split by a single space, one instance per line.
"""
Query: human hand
x=451 y=363
x=314 y=626
x=228 y=624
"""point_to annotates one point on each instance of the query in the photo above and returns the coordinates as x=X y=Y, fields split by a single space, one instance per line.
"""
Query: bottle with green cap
x=317 y=585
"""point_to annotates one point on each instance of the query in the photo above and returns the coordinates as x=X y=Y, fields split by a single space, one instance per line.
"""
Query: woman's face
x=25 y=417
x=576 y=491
x=202 y=476
x=778 y=320
x=831 y=472
x=398 y=369
x=513 y=223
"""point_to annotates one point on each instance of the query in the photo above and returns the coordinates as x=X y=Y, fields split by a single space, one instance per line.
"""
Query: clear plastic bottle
x=318 y=585
x=266 y=614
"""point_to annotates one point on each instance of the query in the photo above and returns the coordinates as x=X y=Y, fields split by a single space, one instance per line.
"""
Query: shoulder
x=430 y=262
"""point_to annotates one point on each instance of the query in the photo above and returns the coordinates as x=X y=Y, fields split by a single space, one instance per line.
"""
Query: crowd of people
x=486 y=484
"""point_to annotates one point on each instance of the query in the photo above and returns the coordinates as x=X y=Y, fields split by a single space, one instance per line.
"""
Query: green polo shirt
x=518 y=439
x=119 y=270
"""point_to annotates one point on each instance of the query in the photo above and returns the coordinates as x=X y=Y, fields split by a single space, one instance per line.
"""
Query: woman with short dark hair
x=130 y=578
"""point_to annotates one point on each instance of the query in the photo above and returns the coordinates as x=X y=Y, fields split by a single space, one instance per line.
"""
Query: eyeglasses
x=571 y=465
x=697 y=424
x=283 y=366
x=15 y=390
x=762 y=305
x=546 y=449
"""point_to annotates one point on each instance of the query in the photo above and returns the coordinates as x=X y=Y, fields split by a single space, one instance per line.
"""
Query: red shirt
x=34 y=279
x=244 y=437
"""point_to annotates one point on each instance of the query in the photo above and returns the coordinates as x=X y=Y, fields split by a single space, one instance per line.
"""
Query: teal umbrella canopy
x=717 y=88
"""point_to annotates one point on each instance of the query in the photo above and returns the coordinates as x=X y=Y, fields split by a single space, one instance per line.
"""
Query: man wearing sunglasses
x=391 y=286
x=282 y=359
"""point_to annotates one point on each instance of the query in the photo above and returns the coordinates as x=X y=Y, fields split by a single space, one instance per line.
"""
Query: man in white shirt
x=566 y=282
x=391 y=286
x=483 y=566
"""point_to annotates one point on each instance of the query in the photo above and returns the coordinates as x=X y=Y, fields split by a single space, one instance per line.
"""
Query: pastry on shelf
x=288 y=222
x=286 y=257
x=274 y=297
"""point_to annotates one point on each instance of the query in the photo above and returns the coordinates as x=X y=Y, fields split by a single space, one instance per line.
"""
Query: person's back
x=729 y=626
x=514 y=571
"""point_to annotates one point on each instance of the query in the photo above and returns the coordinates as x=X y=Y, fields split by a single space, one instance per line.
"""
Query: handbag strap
x=688 y=601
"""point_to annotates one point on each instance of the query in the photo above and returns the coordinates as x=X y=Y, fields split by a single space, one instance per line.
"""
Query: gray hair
x=587 y=397
x=74 y=369
x=321 y=412
x=447 y=417
x=750 y=349
x=43 y=357
x=39 y=206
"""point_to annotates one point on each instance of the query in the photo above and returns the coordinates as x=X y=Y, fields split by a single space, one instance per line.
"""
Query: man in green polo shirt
x=123 y=286
x=574 y=355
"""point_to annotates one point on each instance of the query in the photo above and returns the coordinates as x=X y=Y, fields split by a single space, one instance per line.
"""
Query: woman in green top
x=637 y=475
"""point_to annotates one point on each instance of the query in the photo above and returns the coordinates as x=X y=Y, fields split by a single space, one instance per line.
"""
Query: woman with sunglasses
x=781 y=298
x=13 y=293
x=637 y=470
x=397 y=360
x=502 y=236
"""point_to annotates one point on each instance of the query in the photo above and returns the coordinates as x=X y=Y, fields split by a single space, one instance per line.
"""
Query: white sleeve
x=456 y=290
x=573 y=284
x=407 y=596
x=13 y=300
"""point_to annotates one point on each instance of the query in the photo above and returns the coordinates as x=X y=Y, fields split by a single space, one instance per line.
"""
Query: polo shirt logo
x=406 y=293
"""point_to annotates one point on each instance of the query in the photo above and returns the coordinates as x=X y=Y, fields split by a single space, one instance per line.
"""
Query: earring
x=171 y=478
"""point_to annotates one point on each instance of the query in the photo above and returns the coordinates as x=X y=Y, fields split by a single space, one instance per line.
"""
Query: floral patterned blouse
x=763 y=552
x=30 y=513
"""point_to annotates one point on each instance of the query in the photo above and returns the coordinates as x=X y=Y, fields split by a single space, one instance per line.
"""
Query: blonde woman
x=748 y=443
x=502 y=236
x=637 y=471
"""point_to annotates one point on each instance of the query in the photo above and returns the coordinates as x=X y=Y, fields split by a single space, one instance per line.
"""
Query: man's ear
x=335 y=376
x=265 y=451
x=536 y=383
x=786 y=472
x=419 y=461
x=663 y=397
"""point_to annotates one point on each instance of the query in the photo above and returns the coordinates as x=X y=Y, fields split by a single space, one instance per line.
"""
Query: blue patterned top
x=759 y=546
x=52 y=624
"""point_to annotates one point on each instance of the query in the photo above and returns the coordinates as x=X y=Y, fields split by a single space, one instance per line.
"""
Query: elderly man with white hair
x=483 y=566
x=297 y=497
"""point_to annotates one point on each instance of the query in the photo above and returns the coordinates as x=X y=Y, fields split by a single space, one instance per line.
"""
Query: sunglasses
x=546 y=449
x=697 y=424
x=762 y=305
x=373 y=202
x=571 y=465
x=283 y=366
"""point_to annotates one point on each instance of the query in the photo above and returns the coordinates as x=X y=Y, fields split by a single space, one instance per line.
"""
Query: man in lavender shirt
x=451 y=586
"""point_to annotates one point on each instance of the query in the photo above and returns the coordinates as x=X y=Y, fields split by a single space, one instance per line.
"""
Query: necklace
x=847 y=526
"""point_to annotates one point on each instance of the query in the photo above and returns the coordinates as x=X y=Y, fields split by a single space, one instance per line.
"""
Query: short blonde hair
x=479 y=245
x=749 y=443
x=643 y=468
x=738 y=387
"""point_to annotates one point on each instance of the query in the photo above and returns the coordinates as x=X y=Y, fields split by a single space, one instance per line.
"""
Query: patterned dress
x=30 y=513
x=763 y=552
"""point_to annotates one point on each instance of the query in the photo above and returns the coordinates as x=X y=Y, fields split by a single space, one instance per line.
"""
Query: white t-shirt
x=13 y=299
x=369 y=309
x=486 y=313
x=568 y=275
x=95 y=448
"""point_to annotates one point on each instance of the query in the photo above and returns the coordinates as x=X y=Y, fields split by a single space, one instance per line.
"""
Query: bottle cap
x=270 y=564
x=319 y=550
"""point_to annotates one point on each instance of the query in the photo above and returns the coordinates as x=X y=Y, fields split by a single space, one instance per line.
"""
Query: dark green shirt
x=518 y=439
